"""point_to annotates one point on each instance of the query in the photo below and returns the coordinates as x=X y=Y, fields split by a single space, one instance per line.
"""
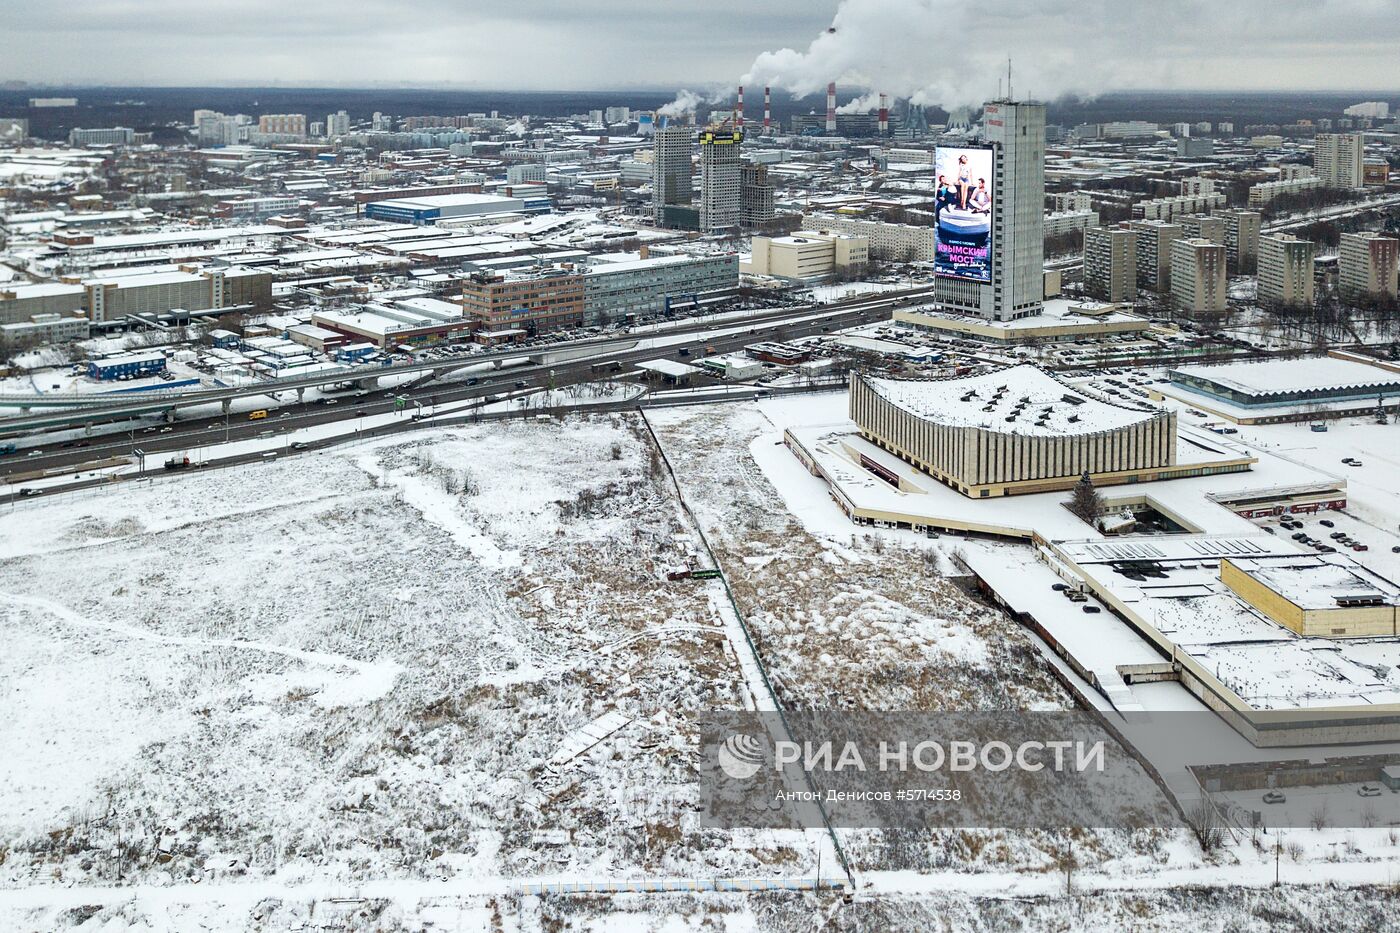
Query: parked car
x=1274 y=796
x=1368 y=790
x=1091 y=609
x=1327 y=523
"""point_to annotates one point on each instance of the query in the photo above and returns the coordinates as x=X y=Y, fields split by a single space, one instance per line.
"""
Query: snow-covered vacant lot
x=347 y=691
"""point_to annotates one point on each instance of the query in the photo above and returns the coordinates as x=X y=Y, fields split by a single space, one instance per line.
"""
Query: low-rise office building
x=523 y=301
x=807 y=256
x=43 y=329
x=618 y=288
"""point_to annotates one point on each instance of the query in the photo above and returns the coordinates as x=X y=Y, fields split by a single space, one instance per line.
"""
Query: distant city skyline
x=900 y=46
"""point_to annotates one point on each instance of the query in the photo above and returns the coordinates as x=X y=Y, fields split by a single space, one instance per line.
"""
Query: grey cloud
x=944 y=51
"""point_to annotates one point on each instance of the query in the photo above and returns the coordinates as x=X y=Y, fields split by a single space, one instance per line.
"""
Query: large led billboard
x=963 y=247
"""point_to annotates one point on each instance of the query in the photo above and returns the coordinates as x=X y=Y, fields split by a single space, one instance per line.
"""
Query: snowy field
x=363 y=665
x=383 y=686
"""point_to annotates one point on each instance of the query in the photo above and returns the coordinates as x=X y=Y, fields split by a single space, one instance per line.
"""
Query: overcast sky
x=944 y=50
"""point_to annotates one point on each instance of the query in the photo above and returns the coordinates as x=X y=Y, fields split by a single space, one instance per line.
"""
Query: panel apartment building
x=897 y=242
x=1367 y=264
x=1198 y=280
x=1286 y=270
x=1110 y=263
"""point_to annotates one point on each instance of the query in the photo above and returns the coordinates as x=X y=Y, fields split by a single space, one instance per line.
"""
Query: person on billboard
x=982 y=198
x=943 y=196
x=964 y=181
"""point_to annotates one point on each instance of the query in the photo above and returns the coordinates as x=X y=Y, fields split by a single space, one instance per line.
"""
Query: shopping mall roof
x=1018 y=400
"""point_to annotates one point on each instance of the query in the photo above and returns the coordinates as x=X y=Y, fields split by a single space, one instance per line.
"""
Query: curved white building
x=1013 y=431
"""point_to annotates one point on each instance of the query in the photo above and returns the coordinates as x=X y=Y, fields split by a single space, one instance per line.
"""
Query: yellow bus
x=255 y=415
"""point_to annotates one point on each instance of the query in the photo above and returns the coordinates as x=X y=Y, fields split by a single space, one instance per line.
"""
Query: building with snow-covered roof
x=1329 y=595
x=1013 y=431
x=386 y=326
x=428 y=210
x=1271 y=383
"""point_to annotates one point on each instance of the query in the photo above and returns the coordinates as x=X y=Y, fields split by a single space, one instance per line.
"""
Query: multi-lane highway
x=55 y=410
x=158 y=440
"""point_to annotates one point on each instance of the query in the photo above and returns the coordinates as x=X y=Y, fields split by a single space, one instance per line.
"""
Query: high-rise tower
x=720 y=178
x=1015 y=131
x=671 y=169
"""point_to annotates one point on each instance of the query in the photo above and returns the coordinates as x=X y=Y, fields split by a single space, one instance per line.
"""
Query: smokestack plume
x=831 y=109
x=739 y=110
x=884 y=115
x=767 y=111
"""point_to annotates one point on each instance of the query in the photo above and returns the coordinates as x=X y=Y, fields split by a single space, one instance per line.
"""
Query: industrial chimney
x=767 y=111
x=831 y=109
x=739 y=110
x=884 y=115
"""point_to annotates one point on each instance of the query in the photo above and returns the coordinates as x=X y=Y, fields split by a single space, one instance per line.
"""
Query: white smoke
x=947 y=53
x=685 y=104
x=862 y=104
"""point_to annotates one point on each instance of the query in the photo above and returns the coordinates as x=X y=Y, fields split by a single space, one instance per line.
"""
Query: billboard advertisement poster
x=963 y=247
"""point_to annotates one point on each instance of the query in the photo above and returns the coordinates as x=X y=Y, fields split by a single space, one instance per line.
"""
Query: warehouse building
x=1013 y=431
x=115 y=297
x=429 y=210
x=415 y=321
x=1274 y=383
x=107 y=298
x=127 y=366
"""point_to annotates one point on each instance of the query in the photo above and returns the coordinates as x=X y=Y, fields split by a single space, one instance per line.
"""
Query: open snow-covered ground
x=356 y=690
x=363 y=664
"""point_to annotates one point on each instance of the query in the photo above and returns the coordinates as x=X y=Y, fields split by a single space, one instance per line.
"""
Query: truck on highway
x=8 y=447
x=257 y=415
x=178 y=463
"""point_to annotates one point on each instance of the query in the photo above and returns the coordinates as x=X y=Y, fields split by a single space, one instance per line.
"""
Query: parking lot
x=1331 y=805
